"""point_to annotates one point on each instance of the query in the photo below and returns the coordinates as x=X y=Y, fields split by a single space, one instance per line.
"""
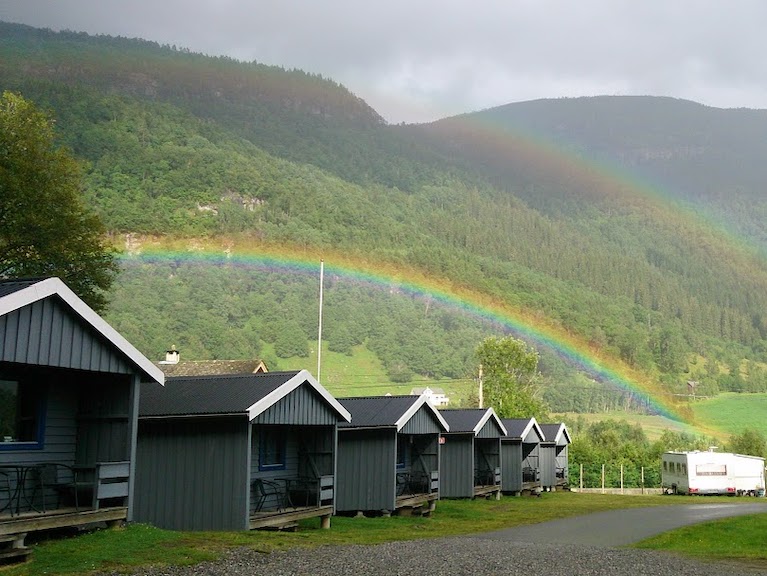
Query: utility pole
x=481 y=399
x=319 y=331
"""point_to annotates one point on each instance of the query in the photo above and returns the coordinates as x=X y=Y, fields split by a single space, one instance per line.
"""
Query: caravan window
x=711 y=470
x=665 y=466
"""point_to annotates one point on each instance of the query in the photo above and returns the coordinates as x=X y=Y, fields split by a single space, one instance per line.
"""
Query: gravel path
x=456 y=557
x=586 y=546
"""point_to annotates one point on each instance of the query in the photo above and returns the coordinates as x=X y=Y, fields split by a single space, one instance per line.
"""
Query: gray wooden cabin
x=236 y=451
x=389 y=455
x=554 y=458
x=520 y=448
x=69 y=390
x=471 y=453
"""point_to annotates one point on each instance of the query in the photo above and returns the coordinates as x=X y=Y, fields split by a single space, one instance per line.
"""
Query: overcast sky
x=419 y=60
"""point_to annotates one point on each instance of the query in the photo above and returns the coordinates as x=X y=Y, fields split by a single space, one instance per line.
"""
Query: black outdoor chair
x=62 y=479
x=266 y=489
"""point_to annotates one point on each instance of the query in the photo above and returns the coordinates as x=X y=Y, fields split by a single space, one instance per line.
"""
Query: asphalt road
x=622 y=527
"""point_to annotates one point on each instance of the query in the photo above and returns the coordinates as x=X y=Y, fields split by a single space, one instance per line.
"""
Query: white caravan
x=712 y=473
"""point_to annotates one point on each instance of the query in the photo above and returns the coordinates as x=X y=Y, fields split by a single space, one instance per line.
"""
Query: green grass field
x=363 y=375
x=653 y=426
x=732 y=413
x=739 y=539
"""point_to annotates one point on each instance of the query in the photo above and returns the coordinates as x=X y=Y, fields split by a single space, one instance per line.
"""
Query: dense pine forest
x=636 y=224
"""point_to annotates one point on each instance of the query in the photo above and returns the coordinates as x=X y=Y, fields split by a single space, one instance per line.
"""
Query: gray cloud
x=418 y=60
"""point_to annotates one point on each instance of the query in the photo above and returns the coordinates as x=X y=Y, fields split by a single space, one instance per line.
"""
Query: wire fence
x=612 y=477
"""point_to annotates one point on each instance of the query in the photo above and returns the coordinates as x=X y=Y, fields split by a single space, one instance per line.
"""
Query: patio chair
x=266 y=489
x=62 y=479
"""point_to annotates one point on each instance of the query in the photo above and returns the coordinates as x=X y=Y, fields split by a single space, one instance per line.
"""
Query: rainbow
x=529 y=326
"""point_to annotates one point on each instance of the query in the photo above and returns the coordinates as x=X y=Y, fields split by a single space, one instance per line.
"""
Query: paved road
x=622 y=527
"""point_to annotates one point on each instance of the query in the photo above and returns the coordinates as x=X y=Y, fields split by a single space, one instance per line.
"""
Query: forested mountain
x=515 y=202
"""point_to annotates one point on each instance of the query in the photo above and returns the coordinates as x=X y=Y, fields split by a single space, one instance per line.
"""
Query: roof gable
x=556 y=433
x=472 y=420
x=15 y=295
x=525 y=429
x=248 y=395
x=387 y=411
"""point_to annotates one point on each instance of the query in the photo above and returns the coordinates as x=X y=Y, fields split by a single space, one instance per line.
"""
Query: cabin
x=471 y=453
x=553 y=457
x=237 y=452
x=707 y=473
x=520 y=468
x=174 y=366
x=69 y=392
x=389 y=455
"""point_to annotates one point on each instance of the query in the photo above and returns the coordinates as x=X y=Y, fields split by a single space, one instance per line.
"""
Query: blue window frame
x=272 y=449
x=22 y=409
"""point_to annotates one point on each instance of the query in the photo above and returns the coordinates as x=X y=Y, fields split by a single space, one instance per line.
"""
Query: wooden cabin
x=236 y=451
x=553 y=456
x=471 y=453
x=520 y=470
x=389 y=455
x=69 y=391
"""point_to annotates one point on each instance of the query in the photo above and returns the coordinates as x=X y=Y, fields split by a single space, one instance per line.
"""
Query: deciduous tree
x=45 y=228
x=511 y=378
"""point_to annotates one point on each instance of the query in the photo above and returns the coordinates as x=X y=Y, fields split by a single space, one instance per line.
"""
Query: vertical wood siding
x=366 y=470
x=547 y=460
x=457 y=466
x=511 y=466
x=422 y=422
x=303 y=406
x=192 y=474
x=46 y=333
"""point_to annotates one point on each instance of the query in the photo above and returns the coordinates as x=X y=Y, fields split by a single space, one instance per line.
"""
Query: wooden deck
x=423 y=502
x=28 y=522
x=288 y=516
x=490 y=491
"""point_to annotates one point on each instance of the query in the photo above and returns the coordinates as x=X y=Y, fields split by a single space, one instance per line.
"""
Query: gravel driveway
x=502 y=552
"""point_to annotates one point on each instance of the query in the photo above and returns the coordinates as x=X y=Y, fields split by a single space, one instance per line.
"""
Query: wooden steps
x=12 y=548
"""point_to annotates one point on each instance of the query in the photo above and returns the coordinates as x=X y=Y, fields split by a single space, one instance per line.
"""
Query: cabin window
x=272 y=449
x=402 y=447
x=21 y=415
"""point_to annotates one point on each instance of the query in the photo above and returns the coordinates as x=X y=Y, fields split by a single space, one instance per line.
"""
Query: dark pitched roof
x=16 y=294
x=386 y=411
x=211 y=367
x=521 y=429
x=470 y=419
x=226 y=394
x=11 y=286
x=556 y=433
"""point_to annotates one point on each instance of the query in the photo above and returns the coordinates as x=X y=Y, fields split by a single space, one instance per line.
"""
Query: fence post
x=621 y=478
x=603 y=478
x=642 y=479
x=581 y=476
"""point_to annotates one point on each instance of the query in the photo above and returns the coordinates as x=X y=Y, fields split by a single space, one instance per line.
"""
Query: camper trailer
x=712 y=473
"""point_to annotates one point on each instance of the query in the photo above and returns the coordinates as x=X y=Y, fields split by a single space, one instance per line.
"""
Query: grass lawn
x=139 y=545
x=740 y=539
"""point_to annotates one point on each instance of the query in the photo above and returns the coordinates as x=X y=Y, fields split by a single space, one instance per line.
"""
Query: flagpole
x=319 y=334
